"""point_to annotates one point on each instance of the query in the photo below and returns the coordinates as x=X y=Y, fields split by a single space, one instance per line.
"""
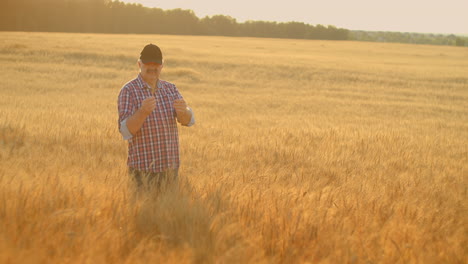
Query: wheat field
x=303 y=152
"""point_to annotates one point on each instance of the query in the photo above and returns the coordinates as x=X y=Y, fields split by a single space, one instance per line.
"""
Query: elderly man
x=149 y=109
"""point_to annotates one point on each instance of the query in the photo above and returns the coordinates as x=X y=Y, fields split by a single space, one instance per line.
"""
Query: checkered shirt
x=155 y=147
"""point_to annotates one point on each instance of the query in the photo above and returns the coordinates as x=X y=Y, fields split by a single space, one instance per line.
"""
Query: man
x=149 y=109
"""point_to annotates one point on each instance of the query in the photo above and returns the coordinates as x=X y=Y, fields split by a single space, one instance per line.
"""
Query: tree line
x=105 y=16
x=108 y=16
x=406 y=37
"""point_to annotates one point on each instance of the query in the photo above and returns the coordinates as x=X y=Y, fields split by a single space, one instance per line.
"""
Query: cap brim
x=151 y=60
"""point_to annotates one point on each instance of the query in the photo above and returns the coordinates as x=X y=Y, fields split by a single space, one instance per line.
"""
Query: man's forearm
x=135 y=122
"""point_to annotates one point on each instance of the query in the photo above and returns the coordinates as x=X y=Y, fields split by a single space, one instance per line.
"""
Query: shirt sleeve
x=175 y=93
x=125 y=108
x=192 y=119
x=124 y=130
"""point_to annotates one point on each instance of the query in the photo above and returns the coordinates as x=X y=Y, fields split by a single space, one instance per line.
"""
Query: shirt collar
x=145 y=85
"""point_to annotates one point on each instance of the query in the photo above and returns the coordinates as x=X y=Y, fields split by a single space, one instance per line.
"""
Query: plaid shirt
x=155 y=147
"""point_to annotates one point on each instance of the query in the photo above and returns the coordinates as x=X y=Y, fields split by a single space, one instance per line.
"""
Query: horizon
x=427 y=17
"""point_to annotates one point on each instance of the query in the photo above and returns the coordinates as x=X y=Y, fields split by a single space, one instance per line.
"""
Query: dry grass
x=304 y=151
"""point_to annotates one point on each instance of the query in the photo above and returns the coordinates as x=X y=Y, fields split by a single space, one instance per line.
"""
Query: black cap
x=151 y=53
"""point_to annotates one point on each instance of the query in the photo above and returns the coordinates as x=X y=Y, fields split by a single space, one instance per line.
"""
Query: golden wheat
x=303 y=151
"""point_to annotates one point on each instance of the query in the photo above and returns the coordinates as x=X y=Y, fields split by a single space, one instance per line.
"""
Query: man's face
x=150 y=71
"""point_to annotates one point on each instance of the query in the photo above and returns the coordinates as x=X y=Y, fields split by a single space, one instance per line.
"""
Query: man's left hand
x=180 y=106
x=183 y=112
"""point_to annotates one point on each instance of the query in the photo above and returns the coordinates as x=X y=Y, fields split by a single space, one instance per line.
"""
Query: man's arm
x=135 y=121
x=184 y=113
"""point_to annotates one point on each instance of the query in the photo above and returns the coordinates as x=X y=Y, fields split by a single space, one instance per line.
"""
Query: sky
x=423 y=16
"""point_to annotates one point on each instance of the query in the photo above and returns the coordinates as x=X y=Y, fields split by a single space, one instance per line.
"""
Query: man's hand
x=183 y=112
x=135 y=121
x=148 y=105
x=180 y=106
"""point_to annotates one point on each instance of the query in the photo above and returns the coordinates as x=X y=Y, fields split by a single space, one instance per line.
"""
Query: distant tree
x=219 y=25
x=320 y=32
x=294 y=30
x=260 y=29
x=179 y=21
x=460 y=42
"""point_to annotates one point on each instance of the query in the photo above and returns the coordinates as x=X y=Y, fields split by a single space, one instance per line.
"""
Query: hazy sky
x=426 y=16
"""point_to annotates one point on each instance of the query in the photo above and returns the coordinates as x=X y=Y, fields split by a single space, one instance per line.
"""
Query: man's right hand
x=148 y=105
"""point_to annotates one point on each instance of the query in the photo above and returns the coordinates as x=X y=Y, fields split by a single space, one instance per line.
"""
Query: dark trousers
x=150 y=180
